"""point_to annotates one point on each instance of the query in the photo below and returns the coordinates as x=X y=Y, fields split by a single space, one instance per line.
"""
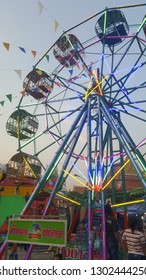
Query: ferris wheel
x=80 y=116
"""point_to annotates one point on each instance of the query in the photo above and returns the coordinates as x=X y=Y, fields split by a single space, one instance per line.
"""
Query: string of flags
x=83 y=75
x=9 y=96
x=7 y=45
x=41 y=7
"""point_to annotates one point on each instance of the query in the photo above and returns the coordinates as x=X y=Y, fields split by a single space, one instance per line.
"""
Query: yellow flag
x=6 y=45
x=40 y=6
x=56 y=24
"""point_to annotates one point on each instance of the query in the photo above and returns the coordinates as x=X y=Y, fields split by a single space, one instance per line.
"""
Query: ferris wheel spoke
x=132 y=115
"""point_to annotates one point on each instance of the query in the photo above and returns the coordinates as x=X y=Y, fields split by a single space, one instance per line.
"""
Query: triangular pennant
x=84 y=75
x=47 y=56
x=85 y=69
x=23 y=92
x=18 y=72
x=71 y=71
x=56 y=24
x=6 y=45
x=40 y=6
x=34 y=53
x=75 y=77
x=77 y=65
x=9 y=96
x=2 y=103
x=22 y=49
x=83 y=66
x=58 y=84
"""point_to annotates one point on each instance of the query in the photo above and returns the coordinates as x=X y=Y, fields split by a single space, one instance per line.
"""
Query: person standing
x=133 y=241
x=112 y=234
x=14 y=254
x=27 y=196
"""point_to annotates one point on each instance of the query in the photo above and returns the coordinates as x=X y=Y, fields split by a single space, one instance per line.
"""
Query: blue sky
x=23 y=25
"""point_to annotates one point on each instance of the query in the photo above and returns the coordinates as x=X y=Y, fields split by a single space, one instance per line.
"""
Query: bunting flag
x=77 y=65
x=56 y=24
x=71 y=71
x=70 y=80
x=9 y=96
x=19 y=73
x=34 y=53
x=22 y=49
x=2 y=103
x=47 y=56
x=84 y=75
x=58 y=84
x=83 y=67
x=6 y=45
x=73 y=78
x=40 y=6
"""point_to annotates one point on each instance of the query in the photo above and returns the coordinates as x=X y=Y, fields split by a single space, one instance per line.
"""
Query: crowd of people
x=128 y=244
x=132 y=242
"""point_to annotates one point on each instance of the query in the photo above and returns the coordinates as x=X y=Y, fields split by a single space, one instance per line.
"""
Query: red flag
x=34 y=53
